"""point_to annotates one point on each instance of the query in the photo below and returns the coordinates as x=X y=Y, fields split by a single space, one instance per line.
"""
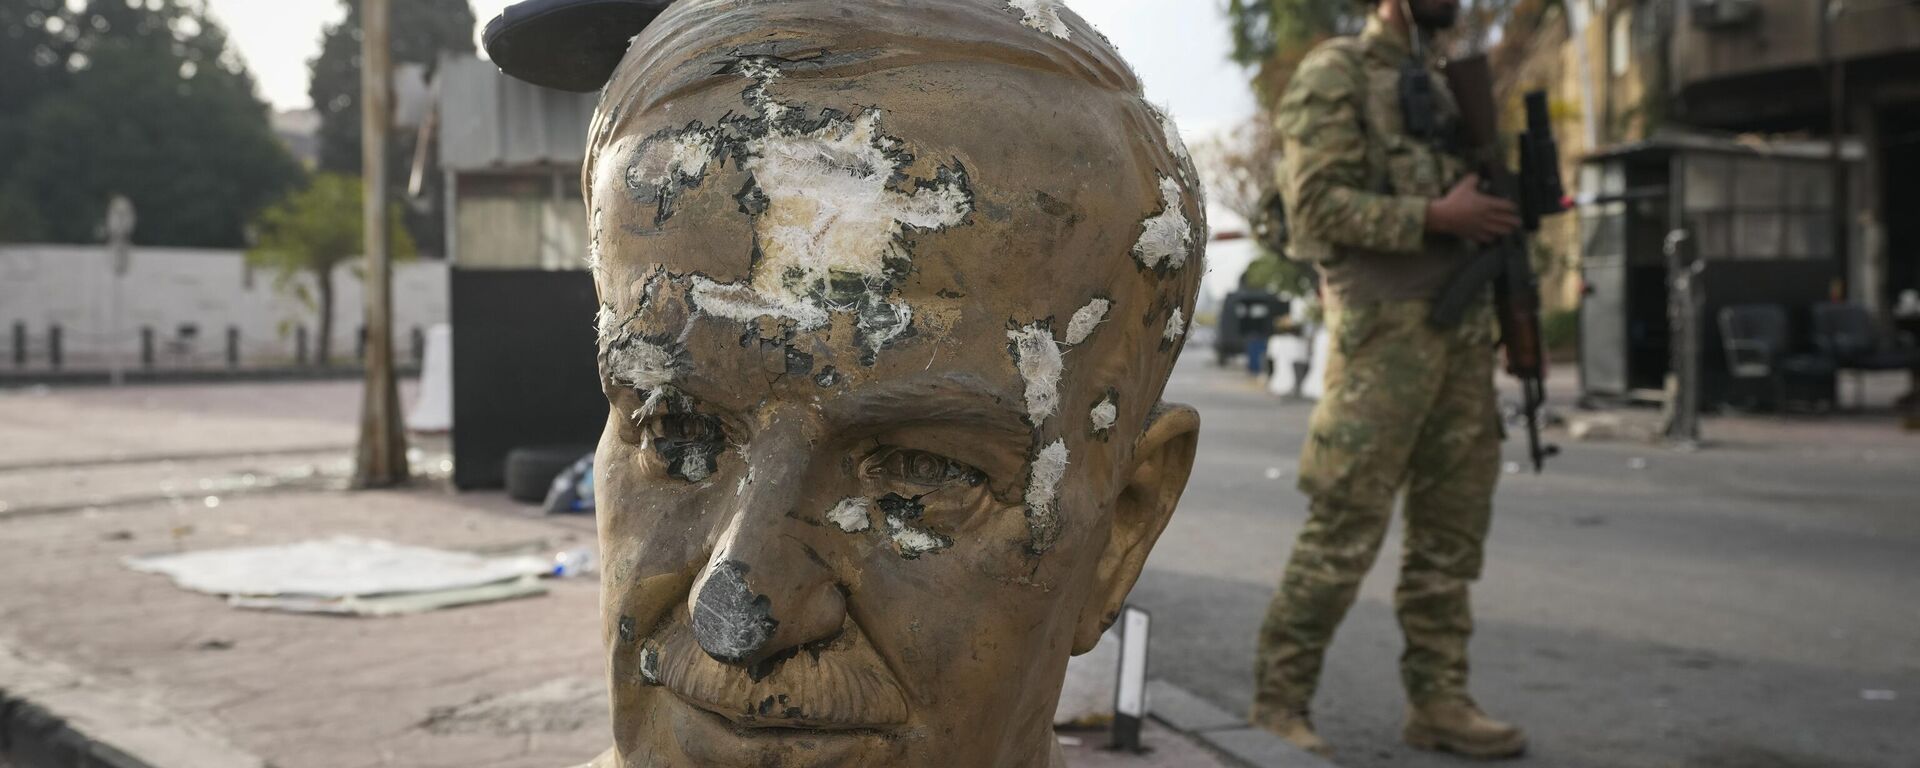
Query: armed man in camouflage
x=1388 y=213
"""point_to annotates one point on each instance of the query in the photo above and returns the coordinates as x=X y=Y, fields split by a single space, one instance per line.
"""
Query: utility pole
x=120 y=223
x=1836 y=72
x=382 y=455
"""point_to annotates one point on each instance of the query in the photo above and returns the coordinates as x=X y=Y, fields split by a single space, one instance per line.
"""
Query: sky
x=1179 y=48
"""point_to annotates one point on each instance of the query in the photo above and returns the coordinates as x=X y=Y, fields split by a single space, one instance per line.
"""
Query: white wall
x=166 y=288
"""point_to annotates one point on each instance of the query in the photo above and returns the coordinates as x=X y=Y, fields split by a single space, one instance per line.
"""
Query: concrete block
x=1261 y=749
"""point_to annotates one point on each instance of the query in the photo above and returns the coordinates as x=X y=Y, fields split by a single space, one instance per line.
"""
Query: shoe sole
x=1431 y=741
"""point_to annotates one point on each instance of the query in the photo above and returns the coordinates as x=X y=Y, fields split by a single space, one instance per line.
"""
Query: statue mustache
x=842 y=685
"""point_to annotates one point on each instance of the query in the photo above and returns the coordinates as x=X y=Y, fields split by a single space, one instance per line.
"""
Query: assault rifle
x=1506 y=263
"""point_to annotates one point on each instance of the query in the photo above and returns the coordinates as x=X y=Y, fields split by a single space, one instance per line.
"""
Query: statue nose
x=766 y=591
x=748 y=609
x=732 y=622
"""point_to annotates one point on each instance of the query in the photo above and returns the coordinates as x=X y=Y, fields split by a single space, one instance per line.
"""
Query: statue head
x=889 y=300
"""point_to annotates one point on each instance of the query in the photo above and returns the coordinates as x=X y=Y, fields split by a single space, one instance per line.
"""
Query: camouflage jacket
x=1355 y=183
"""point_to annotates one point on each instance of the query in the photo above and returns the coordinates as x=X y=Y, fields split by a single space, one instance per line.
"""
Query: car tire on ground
x=531 y=470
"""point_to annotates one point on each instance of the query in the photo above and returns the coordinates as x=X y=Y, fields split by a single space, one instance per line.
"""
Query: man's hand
x=1469 y=213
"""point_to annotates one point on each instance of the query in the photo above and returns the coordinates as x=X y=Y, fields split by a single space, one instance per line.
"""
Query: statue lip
x=841 y=685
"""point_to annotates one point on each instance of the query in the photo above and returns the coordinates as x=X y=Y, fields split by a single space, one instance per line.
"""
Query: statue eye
x=684 y=427
x=922 y=468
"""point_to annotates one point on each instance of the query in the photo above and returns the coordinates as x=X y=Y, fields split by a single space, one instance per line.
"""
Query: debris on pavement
x=349 y=576
x=1878 y=694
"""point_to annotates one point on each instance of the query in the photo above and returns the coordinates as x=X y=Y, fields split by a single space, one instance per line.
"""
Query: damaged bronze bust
x=889 y=299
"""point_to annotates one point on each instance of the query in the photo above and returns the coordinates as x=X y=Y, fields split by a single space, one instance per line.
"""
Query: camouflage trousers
x=1407 y=408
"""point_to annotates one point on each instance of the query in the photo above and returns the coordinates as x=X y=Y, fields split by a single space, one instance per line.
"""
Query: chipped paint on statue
x=1086 y=320
x=1043 y=15
x=1038 y=359
x=1168 y=237
x=1105 y=415
x=852 y=515
x=666 y=164
x=1043 y=495
x=829 y=217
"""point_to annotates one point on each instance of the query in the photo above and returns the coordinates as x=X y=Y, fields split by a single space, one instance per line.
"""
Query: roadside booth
x=1759 y=221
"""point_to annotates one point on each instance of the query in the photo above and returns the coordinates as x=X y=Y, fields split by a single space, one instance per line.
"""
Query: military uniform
x=1407 y=406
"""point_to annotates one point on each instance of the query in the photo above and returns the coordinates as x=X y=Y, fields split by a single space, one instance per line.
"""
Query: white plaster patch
x=1175 y=144
x=606 y=324
x=914 y=542
x=1043 y=488
x=742 y=303
x=1176 y=326
x=595 y=236
x=852 y=515
x=1105 y=415
x=829 y=217
x=1169 y=236
x=1043 y=15
x=669 y=161
x=640 y=364
x=1086 y=320
x=1038 y=359
x=829 y=210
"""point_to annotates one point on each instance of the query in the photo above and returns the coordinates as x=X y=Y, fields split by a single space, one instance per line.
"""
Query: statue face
x=883 y=354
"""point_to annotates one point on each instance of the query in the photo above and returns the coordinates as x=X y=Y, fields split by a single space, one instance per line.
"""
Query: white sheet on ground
x=340 y=567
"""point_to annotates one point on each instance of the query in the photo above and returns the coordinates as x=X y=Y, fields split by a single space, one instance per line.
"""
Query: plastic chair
x=1756 y=338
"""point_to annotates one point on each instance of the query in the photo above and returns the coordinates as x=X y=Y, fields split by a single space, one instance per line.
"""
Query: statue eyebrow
x=952 y=398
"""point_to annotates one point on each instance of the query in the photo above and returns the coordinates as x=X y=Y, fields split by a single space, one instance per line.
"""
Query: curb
x=1222 y=731
x=54 y=717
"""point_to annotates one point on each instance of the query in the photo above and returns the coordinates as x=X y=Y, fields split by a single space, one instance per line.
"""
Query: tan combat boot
x=1293 y=726
x=1455 y=724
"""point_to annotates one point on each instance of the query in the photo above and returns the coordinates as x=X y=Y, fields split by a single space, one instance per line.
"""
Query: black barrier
x=300 y=345
x=20 y=345
x=233 y=347
x=419 y=339
x=524 y=372
x=146 y=346
x=55 y=355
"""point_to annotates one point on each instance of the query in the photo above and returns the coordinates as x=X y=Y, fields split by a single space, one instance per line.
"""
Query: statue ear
x=1162 y=461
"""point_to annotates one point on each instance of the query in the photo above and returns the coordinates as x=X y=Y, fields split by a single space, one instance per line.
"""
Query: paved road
x=1750 y=606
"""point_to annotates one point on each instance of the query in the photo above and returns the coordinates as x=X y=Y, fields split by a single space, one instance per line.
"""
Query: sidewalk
x=513 y=685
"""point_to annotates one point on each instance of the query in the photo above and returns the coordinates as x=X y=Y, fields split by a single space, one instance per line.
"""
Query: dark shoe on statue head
x=1456 y=724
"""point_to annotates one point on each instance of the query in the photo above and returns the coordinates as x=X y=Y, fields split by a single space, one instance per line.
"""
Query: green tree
x=422 y=31
x=1270 y=37
x=105 y=97
x=311 y=232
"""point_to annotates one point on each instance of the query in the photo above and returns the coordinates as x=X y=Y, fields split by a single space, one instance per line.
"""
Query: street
x=1747 y=606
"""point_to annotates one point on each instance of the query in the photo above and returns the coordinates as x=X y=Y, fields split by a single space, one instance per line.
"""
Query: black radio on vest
x=1417 y=103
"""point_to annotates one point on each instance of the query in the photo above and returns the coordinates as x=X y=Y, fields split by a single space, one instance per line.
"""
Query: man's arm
x=1325 y=172
x=1325 y=165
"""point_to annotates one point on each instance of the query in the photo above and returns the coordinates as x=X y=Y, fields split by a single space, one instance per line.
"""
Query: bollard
x=419 y=346
x=300 y=345
x=233 y=346
x=360 y=347
x=54 y=356
x=19 y=345
x=146 y=347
